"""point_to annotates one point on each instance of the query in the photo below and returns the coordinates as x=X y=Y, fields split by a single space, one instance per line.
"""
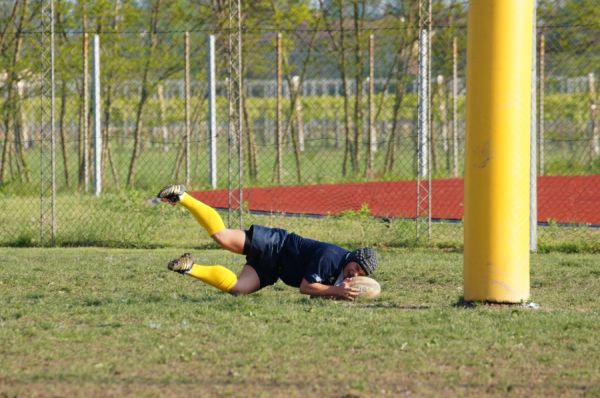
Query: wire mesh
x=341 y=121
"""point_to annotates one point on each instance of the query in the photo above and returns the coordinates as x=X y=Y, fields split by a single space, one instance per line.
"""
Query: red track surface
x=562 y=199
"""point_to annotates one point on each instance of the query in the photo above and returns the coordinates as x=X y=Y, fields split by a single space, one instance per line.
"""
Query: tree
x=298 y=49
x=11 y=107
x=571 y=30
x=405 y=57
x=340 y=49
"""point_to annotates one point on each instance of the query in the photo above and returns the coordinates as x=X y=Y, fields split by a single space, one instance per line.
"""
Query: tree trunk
x=443 y=119
x=106 y=141
x=291 y=127
x=390 y=156
x=161 y=117
x=18 y=115
x=358 y=78
x=7 y=129
x=342 y=66
x=251 y=140
x=11 y=106
x=295 y=114
x=296 y=152
x=296 y=98
x=61 y=124
x=278 y=135
x=107 y=148
x=137 y=133
x=9 y=23
x=20 y=162
x=405 y=58
x=178 y=161
x=21 y=134
x=372 y=144
x=84 y=111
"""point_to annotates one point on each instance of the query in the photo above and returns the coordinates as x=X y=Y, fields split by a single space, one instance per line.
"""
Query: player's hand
x=346 y=292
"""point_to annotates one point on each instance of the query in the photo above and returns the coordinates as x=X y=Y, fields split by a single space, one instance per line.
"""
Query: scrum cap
x=366 y=257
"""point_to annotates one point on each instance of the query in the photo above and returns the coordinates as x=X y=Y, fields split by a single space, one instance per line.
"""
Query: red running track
x=561 y=199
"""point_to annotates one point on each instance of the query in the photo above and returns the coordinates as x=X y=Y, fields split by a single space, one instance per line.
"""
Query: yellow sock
x=215 y=275
x=203 y=213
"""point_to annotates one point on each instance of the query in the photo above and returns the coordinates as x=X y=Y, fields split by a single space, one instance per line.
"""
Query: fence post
x=278 y=129
x=186 y=44
x=423 y=207
x=542 y=90
x=532 y=140
x=53 y=121
x=441 y=83
x=97 y=118
x=423 y=107
x=299 y=114
x=47 y=108
x=372 y=132
x=212 y=113
x=595 y=147
x=236 y=98
x=86 y=109
x=454 y=105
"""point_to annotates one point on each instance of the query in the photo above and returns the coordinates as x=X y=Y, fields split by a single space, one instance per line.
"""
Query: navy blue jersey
x=310 y=259
x=274 y=253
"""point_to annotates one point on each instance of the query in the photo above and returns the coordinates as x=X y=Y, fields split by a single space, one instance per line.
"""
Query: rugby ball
x=368 y=288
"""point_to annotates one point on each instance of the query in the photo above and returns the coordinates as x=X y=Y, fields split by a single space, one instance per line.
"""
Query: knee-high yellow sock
x=215 y=275
x=203 y=213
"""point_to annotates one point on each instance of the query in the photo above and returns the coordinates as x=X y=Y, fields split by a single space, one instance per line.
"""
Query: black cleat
x=171 y=193
x=182 y=264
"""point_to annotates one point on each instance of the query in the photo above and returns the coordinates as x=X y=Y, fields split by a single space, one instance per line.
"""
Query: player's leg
x=248 y=281
x=214 y=275
x=218 y=276
x=203 y=213
x=231 y=239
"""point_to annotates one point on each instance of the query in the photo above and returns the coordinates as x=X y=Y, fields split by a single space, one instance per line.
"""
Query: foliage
x=571 y=28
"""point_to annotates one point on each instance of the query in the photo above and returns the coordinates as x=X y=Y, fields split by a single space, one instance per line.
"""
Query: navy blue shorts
x=262 y=249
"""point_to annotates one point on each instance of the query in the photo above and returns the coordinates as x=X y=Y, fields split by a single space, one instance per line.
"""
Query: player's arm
x=315 y=289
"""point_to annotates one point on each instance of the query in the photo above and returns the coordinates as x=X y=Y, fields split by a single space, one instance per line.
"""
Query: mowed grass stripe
x=98 y=322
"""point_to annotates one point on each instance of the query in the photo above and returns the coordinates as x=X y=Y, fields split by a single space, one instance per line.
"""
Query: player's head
x=360 y=262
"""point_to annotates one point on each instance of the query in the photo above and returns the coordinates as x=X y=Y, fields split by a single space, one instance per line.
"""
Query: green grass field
x=114 y=322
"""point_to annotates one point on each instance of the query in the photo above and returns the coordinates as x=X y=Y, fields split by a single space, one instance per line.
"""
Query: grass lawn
x=114 y=322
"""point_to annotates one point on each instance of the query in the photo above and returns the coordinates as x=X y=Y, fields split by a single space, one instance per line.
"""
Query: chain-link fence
x=103 y=103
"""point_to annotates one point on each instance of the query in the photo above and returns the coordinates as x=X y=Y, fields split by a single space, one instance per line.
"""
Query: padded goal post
x=496 y=252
